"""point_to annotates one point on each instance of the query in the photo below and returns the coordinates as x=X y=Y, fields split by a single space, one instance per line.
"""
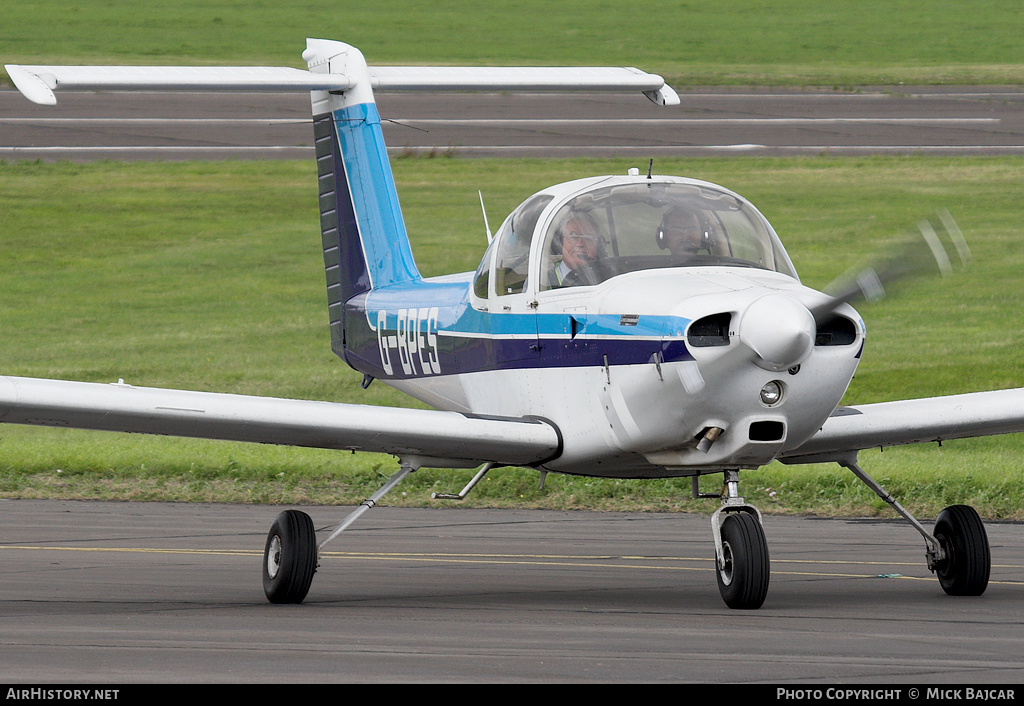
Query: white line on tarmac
x=470 y=150
x=144 y=121
x=691 y=121
x=503 y=122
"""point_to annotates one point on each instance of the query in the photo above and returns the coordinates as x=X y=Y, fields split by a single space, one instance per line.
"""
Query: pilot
x=582 y=246
x=681 y=233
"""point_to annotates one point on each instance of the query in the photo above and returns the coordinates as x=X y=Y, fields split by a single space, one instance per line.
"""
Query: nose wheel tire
x=965 y=569
x=289 y=558
x=744 y=568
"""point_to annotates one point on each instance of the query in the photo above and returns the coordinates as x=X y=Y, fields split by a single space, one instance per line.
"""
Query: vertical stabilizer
x=364 y=238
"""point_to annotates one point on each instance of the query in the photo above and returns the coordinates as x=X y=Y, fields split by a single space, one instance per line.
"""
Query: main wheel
x=289 y=559
x=965 y=570
x=744 y=570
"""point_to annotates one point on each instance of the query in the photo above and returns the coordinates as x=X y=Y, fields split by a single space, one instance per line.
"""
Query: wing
x=419 y=437
x=851 y=429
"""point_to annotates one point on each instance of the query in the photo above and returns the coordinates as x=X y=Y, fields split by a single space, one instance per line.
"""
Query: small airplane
x=622 y=326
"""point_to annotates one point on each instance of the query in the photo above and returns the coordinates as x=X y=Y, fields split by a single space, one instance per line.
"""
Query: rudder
x=365 y=243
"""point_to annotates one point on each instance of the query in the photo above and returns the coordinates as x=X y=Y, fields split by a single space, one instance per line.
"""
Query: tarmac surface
x=107 y=592
x=709 y=122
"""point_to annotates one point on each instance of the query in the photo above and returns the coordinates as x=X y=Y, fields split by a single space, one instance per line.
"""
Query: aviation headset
x=706 y=236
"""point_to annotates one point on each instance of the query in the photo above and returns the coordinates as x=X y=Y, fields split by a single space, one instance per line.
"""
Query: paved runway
x=942 y=120
x=151 y=592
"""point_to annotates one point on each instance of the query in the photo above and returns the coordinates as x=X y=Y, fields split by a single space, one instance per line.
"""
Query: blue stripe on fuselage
x=429 y=328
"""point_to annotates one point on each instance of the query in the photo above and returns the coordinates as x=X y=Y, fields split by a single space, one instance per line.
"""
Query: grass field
x=207 y=276
x=844 y=42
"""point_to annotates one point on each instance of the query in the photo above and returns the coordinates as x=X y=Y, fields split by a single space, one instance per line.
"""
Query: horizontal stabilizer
x=424 y=437
x=38 y=83
x=522 y=79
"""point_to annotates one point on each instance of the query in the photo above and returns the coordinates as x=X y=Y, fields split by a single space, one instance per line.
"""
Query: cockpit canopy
x=571 y=236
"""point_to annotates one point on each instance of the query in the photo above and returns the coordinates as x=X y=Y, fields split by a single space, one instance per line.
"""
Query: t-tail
x=365 y=242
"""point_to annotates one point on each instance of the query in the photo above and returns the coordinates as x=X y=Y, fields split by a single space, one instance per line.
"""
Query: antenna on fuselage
x=486 y=224
x=650 y=168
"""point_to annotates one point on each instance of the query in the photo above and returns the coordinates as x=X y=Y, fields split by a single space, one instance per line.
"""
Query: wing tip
x=32 y=85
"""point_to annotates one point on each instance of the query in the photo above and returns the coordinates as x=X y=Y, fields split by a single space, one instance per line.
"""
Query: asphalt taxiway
x=976 y=120
x=151 y=592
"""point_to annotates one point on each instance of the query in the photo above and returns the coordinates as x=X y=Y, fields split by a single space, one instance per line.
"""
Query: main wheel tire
x=745 y=569
x=289 y=558
x=961 y=533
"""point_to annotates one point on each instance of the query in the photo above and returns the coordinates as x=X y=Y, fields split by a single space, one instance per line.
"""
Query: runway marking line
x=587 y=561
x=670 y=150
x=513 y=122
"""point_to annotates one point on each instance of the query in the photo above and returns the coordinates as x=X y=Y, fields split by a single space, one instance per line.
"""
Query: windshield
x=619 y=229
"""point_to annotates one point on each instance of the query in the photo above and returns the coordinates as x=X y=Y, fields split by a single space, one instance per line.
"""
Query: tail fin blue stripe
x=382 y=233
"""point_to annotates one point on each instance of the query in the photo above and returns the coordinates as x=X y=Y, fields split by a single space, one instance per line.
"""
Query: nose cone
x=779 y=329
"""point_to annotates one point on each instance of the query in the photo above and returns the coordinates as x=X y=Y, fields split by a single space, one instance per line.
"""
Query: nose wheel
x=741 y=550
x=743 y=565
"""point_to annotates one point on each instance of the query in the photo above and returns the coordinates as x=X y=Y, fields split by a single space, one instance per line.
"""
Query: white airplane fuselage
x=598 y=363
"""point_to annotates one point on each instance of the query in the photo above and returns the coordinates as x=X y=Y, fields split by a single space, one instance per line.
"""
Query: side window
x=512 y=258
x=482 y=278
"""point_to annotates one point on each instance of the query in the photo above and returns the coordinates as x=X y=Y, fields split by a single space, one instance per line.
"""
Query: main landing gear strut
x=957 y=550
x=291 y=555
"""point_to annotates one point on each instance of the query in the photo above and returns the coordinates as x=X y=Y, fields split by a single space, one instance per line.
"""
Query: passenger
x=681 y=233
x=581 y=247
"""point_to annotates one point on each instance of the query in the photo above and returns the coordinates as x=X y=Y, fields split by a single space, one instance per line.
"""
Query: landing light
x=771 y=393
